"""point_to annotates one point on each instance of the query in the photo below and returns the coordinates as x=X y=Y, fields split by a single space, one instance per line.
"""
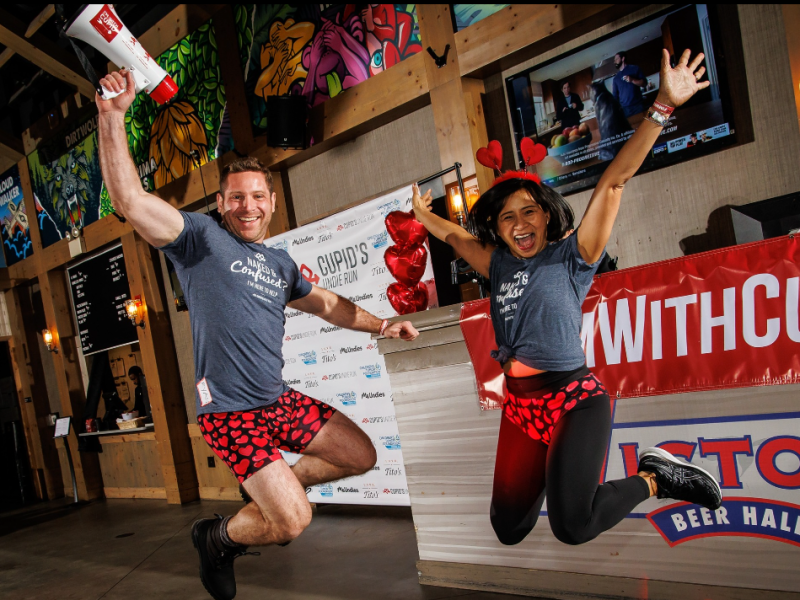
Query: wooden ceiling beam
x=43 y=53
x=10 y=147
x=33 y=27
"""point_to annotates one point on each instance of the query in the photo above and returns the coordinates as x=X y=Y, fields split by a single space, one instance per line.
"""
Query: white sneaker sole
x=660 y=453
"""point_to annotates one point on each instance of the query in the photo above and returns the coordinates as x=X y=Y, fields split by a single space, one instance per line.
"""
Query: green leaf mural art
x=162 y=138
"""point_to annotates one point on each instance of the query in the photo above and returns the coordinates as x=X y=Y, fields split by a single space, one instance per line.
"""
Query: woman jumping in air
x=556 y=416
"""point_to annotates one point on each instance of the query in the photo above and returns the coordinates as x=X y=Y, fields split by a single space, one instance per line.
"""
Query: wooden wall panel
x=217 y=482
x=383 y=159
x=130 y=461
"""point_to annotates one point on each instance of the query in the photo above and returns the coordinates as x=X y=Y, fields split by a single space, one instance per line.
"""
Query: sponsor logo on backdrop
x=383 y=419
x=342 y=375
x=372 y=346
x=324 y=237
x=308 y=358
x=393 y=471
x=379 y=240
x=291 y=382
x=309 y=275
x=388 y=207
x=330 y=329
x=291 y=314
x=360 y=297
x=281 y=245
x=390 y=442
x=350 y=349
x=371 y=371
x=369 y=491
x=299 y=336
x=346 y=398
x=340 y=267
x=393 y=491
x=367 y=395
x=290 y=361
x=354 y=222
x=348 y=490
x=328 y=358
x=303 y=240
x=325 y=490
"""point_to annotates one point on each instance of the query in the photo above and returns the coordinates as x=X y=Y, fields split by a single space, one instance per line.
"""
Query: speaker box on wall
x=286 y=121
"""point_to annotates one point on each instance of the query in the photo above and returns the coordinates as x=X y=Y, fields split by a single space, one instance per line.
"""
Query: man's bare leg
x=280 y=510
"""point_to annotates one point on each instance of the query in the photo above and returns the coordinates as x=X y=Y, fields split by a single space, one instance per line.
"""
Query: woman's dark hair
x=134 y=370
x=485 y=211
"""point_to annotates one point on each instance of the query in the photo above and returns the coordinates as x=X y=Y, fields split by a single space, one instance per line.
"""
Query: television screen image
x=584 y=106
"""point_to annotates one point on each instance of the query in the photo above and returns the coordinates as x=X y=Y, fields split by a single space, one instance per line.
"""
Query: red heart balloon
x=491 y=156
x=532 y=153
x=406 y=263
x=405 y=229
x=406 y=300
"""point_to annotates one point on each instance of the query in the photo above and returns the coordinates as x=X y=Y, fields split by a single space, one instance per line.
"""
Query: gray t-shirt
x=236 y=292
x=536 y=305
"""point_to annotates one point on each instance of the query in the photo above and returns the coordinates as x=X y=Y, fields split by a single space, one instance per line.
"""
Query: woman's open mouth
x=524 y=242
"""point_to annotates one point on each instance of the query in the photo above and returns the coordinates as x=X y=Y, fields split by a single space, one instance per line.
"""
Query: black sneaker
x=680 y=480
x=216 y=565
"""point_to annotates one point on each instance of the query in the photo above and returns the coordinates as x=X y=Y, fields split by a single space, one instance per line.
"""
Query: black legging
x=568 y=470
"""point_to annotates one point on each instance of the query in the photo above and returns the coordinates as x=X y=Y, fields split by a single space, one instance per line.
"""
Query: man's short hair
x=248 y=164
x=134 y=370
x=622 y=54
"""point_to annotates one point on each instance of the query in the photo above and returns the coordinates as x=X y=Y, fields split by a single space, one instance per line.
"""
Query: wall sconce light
x=49 y=340
x=457 y=204
x=133 y=308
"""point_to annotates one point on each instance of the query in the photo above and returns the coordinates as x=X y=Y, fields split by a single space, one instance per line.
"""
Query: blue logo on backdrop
x=308 y=358
x=390 y=442
x=371 y=371
x=379 y=240
x=346 y=398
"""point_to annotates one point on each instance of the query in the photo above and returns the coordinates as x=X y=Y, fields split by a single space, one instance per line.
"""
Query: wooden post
x=456 y=102
x=34 y=404
x=58 y=314
x=160 y=366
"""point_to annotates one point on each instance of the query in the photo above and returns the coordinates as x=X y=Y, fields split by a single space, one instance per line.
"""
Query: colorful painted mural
x=319 y=51
x=468 y=14
x=163 y=138
x=13 y=219
x=68 y=191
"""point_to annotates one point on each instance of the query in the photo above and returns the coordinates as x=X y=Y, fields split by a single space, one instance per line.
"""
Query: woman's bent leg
x=519 y=481
x=578 y=507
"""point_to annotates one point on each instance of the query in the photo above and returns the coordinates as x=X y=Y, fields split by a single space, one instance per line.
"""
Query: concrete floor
x=120 y=549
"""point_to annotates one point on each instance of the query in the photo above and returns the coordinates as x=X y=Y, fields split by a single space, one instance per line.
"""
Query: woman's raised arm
x=677 y=86
x=467 y=245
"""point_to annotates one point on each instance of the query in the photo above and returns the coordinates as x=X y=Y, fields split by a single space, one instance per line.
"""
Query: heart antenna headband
x=492 y=157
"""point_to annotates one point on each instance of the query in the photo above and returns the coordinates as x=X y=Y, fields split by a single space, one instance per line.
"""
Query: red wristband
x=663 y=108
x=384 y=325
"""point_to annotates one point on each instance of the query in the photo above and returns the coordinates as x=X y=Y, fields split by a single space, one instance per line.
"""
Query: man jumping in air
x=236 y=290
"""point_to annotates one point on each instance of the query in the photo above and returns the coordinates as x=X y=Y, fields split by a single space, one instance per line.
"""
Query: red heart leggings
x=248 y=440
x=553 y=439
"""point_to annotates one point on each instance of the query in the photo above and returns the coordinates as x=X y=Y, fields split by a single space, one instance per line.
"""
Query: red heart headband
x=492 y=157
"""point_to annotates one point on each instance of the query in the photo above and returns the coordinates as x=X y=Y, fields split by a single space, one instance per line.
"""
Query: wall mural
x=468 y=14
x=319 y=51
x=162 y=138
x=68 y=191
x=13 y=218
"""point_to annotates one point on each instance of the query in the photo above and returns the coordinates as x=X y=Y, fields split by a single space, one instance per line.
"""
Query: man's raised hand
x=118 y=81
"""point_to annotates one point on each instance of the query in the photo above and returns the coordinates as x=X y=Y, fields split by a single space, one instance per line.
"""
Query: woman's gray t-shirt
x=236 y=292
x=536 y=305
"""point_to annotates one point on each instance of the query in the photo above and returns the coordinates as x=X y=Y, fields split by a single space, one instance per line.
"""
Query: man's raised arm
x=155 y=220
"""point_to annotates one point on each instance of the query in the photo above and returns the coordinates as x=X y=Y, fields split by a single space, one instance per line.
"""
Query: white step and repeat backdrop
x=344 y=253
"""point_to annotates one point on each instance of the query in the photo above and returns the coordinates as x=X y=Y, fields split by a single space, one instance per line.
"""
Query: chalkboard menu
x=99 y=287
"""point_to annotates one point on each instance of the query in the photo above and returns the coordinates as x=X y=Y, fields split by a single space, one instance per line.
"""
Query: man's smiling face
x=246 y=205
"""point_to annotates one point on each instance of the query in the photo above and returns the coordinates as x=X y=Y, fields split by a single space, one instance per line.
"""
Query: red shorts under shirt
x=248 y=440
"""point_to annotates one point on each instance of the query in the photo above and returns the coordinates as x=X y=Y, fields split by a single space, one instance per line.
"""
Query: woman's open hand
x=421 y=204
x=682 y=82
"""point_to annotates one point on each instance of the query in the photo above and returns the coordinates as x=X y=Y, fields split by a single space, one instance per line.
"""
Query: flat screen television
x=584 y=105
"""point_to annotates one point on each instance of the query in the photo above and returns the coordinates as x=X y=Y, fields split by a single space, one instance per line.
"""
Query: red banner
x=721 y=319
